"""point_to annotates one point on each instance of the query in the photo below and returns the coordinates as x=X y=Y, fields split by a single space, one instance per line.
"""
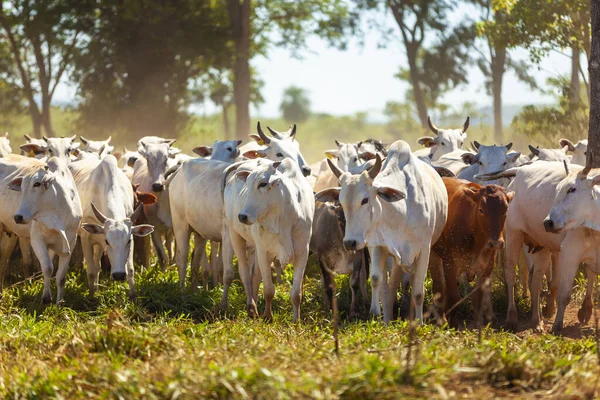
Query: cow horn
x=292 y=131
x=508 y=147
x=334 y=168
x=338 y=144
x=566 y=167
x=263 y=137
x=432 y=126
x=28 y=138
x=534 y=151
x=476 y=145
x=45 y=139
x=466 y=124
x=73 y=138
x=588 y=164
x=109 y=139
x=83 y=140
x=374 y=170
x=101 y=217
x=137 y=213
x=275 y=134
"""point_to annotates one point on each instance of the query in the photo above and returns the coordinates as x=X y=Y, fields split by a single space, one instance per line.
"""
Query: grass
x=170 y=344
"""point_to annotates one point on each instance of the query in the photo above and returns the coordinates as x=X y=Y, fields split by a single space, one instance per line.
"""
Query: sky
x=361 y=78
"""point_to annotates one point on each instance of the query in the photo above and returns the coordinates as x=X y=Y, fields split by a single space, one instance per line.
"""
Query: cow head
x=265 y=191
x=579 y=150
x=156 y=155
x=100 y=147
x=51 y=147
x=368 y=149
x=129 y=157
x=37 y=190
x=346 y=155
x=221 y=150
x=576 y=199
x=118 y=235
x=5 y=148
x=281 y=145
x=361 y=198
x=492 y=204
x=445 y=141
x=550 y=154
x=491 y=158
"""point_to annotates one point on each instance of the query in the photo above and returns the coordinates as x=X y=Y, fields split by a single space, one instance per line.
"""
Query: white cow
x=535 y=187
x=487 y=160
x=51 y=147
x=446 y=140
x=40 y=202
x=346 y=158
x=107 y=198
x=399 y=212
x=550 y=154
x=149 y=173
x=5 y=148
x=574 y=217
x=129 y=158
x=579 y=150
x=221 y=150
x=270 y=207
x=100 y=147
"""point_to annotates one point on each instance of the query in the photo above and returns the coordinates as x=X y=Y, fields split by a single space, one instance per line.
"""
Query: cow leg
x=451 y=286
x=197 y=261
x=585 y=312
x=363 y=274
x=328 y=283
x=552 y=279
x=264 y=263
x=396 y=279
x=182 y=237
x=160 y=250
x=131 y=275
x=300 y=260
x=42 y=254
x=236 y=244
x=7 y=246
x=378 y=275
x=572 y=248
x=93 y=269
x=255 y=273
x=418 y=282
x=169 y=245
x=61 y=277
x=278 y=271
x=541 y=262
x=523 y=272
x=214 y=263
x=25 y=246
x=355 y=284
x=227 y=270
x=514 y=245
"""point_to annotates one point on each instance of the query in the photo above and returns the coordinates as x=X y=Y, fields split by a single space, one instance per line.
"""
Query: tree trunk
x=594 y=70
x=419 y=96
x=47 y=119
x=226 y=125
x=497 y=67
x=239 y=17
x=575 y=86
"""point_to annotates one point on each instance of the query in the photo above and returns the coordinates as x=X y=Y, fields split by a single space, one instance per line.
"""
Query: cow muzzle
x=496 y=244
x=119 y=276
x=158 y=187
x=19 y=219
x=305 y=170
x=353 y=245
x=243 y=218
x=551 y=226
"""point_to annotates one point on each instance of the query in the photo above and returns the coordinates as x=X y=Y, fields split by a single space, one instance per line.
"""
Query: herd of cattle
x=364 y=210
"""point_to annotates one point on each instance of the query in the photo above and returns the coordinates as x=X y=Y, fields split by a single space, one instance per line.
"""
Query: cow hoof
x=46 y=299
x=557 y=329
x=539 y=328
x=511 y=326
x=132 y=296
x=267 y=317
x=584 y=315
x=252 y=311
x=548 y=310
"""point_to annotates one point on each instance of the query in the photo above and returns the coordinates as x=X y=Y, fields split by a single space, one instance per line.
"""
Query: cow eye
x=262 y=185
x=364 y=201
x=571 y=190
x=106 y=241
x=585 y=153
x=480 y=163
x=37 y=184
x=229 y=149
x=443 y=144
x=504 y=163
x=50 y=151
x=481 y=211
x=355 y=159
x=279 y=155
x=129 y=242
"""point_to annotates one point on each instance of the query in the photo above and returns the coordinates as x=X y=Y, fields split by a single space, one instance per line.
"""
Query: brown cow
x=471 y=237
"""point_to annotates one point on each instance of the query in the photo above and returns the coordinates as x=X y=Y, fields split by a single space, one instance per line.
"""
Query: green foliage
x=295 y=105
x=549 y=124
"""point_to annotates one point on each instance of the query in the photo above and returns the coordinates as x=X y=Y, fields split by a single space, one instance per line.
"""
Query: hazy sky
x=362 y=79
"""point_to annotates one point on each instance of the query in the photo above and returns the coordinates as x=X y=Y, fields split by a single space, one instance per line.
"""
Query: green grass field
x=169 y=344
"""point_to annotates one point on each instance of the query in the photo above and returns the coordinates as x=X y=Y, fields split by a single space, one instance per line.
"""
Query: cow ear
x=32 y=149
x=15 y=184
x=567 y=143
x=330 y=195
x=252 y=154
x=74 y=146
x=595 y=181
x=117 y=155
x=427 y=141
x=510 y=195
x=513 y=157
x=203 y=151
x=242 y=175
x=142 y=230
x=94 y=229
x=367 y=155
x=146 y=198
x=256 y=138
x=469 y=158
x=331 y=154
x=390 y=194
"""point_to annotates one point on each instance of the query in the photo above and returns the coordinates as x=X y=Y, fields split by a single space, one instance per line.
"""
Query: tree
x=495 y=60
x=295 y=106
x=143 y=60
x=594 y=68
x=44 y=37
x=257 y=25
